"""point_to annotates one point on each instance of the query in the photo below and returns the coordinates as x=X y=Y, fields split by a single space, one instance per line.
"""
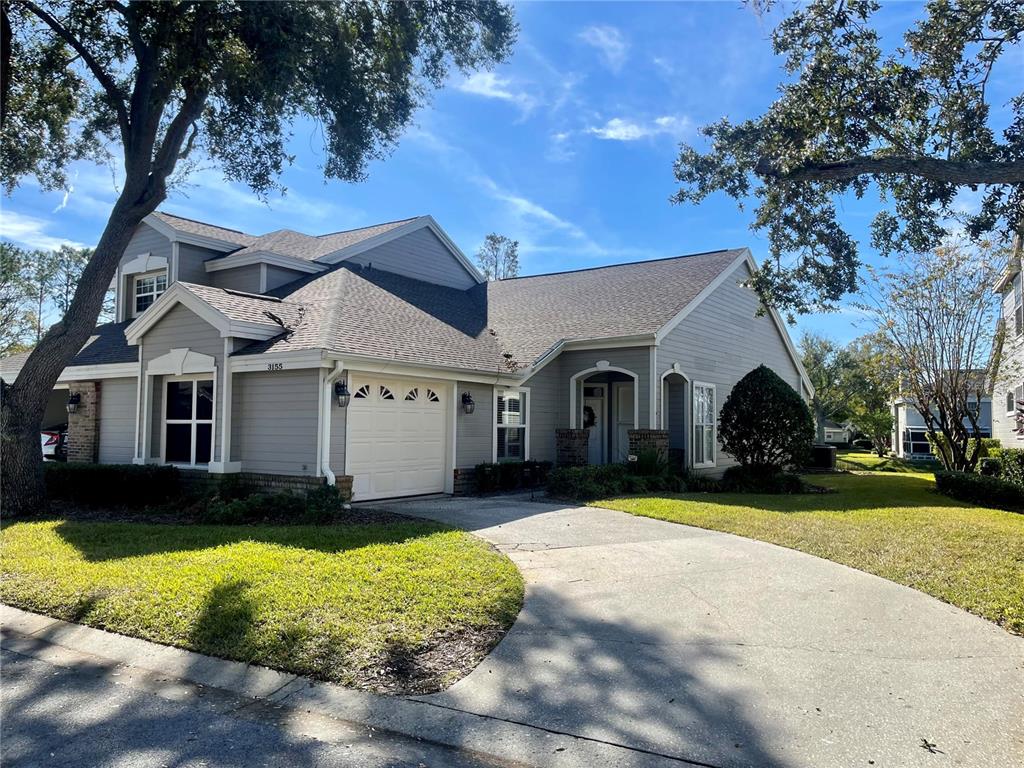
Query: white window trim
x=1017 y=287
x=142 y=276
x=1013 y=393
x=526 y=420
x=164 y=421
x=714 y=424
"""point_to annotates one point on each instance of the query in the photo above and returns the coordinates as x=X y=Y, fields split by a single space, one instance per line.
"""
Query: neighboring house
x=910 y=437
x=230 y=352
x=838 y=434
x=1008 y=392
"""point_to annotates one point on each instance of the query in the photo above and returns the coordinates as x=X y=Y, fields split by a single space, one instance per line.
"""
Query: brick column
x=83 y=424
x=645 y=439
x=571 y=447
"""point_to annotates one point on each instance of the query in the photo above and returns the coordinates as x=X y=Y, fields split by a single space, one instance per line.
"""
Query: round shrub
x=764 y=422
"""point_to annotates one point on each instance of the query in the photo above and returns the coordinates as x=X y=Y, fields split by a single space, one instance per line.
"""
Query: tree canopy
x=498 y=257
x=913 y=125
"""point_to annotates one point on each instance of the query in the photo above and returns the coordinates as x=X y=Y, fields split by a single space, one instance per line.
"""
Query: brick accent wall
x=645 y=439
x=571 y=447
x=258 y=482
x=465 y=482
x=83 y=424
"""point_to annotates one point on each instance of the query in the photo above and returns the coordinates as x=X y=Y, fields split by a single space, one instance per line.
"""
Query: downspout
x=327 y=402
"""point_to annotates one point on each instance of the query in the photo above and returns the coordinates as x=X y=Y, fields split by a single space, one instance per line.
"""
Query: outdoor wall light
x=342 y=394
x=467 y=403
x=74 y=399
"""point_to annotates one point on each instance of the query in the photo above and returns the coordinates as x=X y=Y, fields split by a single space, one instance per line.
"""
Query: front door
x=593 y=420
x=623 y=417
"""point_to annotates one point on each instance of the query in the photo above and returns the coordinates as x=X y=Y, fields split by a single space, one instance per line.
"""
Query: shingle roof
x=532 y=314
x=107 y=345
x=205 y=230
x=366 y=311
x=248 y=307
x=359 y=310
x=288 y=242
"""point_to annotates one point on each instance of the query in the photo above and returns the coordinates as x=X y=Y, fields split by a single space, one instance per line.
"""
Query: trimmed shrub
x=511 y=475
x=980 y=489
x=760 y=479
x=650 y=462
x=590 y=482
x=122 y=486
x=984 y=445
x=696 y=483
x=765 y=422
x=1011 y=464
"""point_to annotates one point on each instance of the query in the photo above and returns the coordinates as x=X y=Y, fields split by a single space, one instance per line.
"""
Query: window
x=510 y=437
x=1011 y=402
x=704 y=425
x=188 y=421
x=149 y=288
x=1018 y=304
x=915 y=441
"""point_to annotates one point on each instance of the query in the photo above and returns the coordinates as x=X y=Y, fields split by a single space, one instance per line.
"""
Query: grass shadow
x=112 y=541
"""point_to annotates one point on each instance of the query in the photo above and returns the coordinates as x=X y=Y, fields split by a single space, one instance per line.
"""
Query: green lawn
x=892 y=525
x=866 y=461
x=392 y=607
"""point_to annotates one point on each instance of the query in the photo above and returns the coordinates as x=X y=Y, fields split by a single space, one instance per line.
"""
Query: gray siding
x=245 y=278
x=179 y=328
x=117 y=420
x=192 y=264
x=420 y=255
x=274 y=421
x=723 y=339
x=145 y=240
x=278 y=276
x=339 y=418
x=475 y=431
x=1011 y=373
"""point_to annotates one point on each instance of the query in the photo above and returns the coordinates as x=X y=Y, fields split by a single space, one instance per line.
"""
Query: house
x=838 y=434
x=910 y=437
x=380 y=357
x=1008 y=390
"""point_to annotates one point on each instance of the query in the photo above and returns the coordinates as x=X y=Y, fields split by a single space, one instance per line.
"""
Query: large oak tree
x=912 y=125
x=158 y=84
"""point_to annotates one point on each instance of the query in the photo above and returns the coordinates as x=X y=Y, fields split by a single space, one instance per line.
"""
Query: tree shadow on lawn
x=114 y=541
x=847 y=493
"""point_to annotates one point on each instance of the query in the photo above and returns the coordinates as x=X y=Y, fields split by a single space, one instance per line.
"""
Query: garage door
x=397 y=437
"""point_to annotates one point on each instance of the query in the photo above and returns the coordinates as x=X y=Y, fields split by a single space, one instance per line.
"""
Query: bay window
x=704 y=432
x=510 y=425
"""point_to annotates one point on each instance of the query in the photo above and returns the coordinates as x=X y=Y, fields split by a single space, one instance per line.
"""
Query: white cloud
x=31 y=232
x=610 y=42
x=491 y=86
x=623 y=129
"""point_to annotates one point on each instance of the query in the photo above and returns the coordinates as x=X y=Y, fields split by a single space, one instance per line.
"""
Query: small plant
x=759 y=479
x=764 y=422
x=511 y=475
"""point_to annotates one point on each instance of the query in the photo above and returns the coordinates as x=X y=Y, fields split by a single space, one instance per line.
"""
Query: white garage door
x=397 y=437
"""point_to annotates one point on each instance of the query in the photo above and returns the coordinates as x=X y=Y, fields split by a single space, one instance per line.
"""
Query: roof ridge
x=620 y=264
x=370 y=226
x=205 y=223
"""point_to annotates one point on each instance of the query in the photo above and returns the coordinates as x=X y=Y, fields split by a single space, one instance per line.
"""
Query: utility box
x=823 y=457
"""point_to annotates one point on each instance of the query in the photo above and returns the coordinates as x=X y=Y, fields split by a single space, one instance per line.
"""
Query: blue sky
x=568 y=148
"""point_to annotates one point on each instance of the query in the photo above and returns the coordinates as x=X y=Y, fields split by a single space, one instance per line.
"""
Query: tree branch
x=956 y=172
x=102 y=76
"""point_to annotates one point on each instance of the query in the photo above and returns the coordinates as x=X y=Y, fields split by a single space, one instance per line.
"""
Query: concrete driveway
x=715 y=650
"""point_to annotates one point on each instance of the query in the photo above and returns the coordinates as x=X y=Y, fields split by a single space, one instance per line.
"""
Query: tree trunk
x=819 y=422
x=24 y=402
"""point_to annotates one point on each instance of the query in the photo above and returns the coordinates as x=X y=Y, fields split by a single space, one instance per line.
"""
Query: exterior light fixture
x=342 y=394
x=74 y=399
x=467 y=403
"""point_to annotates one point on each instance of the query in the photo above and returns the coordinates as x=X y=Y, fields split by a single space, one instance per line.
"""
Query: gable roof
x=106 y=346
x=297 y=245
x=201 y=228
x=533 y=314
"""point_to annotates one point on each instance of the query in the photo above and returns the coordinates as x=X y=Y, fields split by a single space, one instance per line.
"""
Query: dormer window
x=148 y=288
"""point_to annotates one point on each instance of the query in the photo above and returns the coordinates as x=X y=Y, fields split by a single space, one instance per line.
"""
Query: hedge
x=1007 y=464
x=511 y=475
x=601 y=481
x=133 y=486
x=984 y=445
x=981 y=489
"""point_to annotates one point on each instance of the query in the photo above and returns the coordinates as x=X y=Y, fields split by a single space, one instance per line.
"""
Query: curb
x=413 y=717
